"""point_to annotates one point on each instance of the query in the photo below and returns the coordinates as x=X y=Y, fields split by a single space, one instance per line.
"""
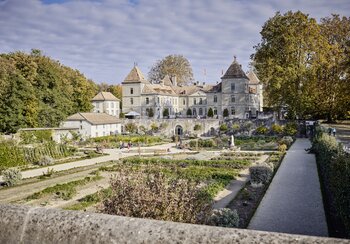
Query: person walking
x=334 y=131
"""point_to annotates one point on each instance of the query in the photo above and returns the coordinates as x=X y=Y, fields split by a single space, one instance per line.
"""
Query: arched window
x=200 y=101
x=194 y=101
x=200 y=111
x=194 y=112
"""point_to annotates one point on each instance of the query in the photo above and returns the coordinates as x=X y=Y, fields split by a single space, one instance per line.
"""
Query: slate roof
x=105 y=96
x=234 y=71
x=94 y=118
x=135 y=76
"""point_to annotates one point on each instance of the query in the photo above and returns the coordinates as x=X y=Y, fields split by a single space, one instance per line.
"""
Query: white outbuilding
x=93 y=124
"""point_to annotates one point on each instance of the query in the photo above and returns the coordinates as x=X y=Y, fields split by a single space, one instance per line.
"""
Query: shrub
x=287 y=140
x=45 y=160
x=166 y=112
x=248 y=125
x=150 y=113
x=202 y=143
x=291 y=129
x=10 y=155
x=260 y=174
x=282 y=147
x=38 y=136
x=224 y=217
x=225 y=113
x=335 y=175
x=223 y=127
x=131 y=127
x=277 y=129
x=197 y=127
x=121 y=115
x=151 y=195
x=154 y=127
x=11 y=176
x=262 y=130
x=210 y=113
x=235 y=127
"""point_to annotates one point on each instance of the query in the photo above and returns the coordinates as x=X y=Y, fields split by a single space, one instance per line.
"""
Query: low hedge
x=334 y=166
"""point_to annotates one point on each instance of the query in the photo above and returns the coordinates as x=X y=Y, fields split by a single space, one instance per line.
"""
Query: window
x=194 y=101
x=215 y=111
x=147 y=100
x=215 y=99
x=233 y=99
x=158 y=99
x=233 y=86
x=200 y=111
x=233 y=111
x=131 y=101
x=184 y=101
x=131 y=90
x=247 y=98
x=194 y=112
x=112 y=104
x=200 y=101
x=107 y=103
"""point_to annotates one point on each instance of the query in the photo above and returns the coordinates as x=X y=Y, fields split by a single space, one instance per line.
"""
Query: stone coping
x=24 y=224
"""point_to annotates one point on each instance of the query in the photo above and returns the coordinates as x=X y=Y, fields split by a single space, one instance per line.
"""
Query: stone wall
x=169 y=125
x=24 y=224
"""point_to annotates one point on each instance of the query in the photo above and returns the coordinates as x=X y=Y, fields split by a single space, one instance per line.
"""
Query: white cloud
x=104 y=38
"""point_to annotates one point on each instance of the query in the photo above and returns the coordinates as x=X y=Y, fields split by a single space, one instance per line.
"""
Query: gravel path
x=293 y=203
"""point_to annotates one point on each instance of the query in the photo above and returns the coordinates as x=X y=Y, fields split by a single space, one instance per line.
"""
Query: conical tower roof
x=135 y=76
x=234 y=71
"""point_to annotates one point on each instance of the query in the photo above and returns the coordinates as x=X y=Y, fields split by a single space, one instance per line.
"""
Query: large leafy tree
x=305 y=64
x=38 y=91
x=333 y=76
x=287 y=61
x=172 y=65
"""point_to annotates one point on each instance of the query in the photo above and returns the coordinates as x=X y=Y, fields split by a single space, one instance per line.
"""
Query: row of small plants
x=146 y=139
x=334 y=166
x=244 y=142
x=13 y=155
x=64 y=191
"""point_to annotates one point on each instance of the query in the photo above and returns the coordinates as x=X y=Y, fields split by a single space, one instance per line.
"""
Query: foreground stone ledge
x=24 y=224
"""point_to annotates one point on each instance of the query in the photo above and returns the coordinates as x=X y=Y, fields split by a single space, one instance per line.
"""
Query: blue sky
x=103 y=38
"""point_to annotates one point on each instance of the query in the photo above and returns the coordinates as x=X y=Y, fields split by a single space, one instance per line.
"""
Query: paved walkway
x=293 y=203
x=114 y=154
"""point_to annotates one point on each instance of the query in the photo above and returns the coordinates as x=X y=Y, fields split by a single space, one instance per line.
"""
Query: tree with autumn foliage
x=301 y=63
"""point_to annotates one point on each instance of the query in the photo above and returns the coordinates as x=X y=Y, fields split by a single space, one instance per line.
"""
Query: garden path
x=293 y=202
x=114 y=154
x=224 y=197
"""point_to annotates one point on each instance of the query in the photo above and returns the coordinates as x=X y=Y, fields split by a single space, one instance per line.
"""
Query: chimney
x=174 y=80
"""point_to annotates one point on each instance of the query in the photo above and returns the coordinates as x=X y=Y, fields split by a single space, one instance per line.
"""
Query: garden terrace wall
x=23 y=224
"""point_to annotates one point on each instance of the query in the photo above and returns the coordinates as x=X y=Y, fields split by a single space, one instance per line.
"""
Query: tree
x=38 y=91
x=172 y=65
x=189 y=112
x=166 y=112
x=287 y=61
x=197 y=127
x=333 y=100
x=225 y=113
x=210 y=113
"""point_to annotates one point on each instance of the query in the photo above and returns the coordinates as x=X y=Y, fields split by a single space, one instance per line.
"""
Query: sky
x=104 y=38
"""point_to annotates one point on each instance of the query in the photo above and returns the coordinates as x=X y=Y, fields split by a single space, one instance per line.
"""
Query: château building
x=238 y=95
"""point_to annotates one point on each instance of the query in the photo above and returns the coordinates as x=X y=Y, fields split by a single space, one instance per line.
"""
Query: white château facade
x=238 y=93
x=106 y=102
